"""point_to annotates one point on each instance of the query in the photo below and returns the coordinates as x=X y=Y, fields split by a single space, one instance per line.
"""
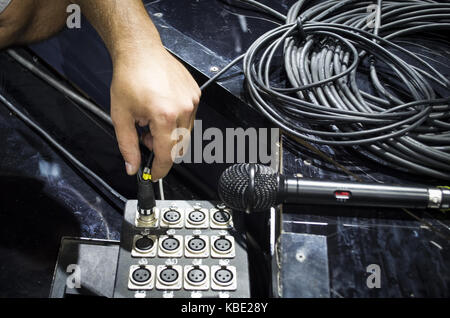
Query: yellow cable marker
x=147 y=174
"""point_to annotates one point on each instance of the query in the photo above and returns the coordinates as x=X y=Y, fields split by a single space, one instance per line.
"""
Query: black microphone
x=255 y=187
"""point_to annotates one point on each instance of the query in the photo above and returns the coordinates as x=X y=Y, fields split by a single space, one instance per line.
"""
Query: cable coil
x=326 y=50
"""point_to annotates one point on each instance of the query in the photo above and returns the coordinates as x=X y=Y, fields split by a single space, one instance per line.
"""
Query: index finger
x=163 y=144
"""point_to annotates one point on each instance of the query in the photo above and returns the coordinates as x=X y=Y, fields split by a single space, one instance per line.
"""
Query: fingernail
x=129 y=168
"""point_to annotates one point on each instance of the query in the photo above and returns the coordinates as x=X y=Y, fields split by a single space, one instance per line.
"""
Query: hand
x=150 y=87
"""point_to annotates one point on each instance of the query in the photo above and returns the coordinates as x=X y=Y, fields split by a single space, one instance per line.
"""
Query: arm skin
x=29 y=21
x=149 y=87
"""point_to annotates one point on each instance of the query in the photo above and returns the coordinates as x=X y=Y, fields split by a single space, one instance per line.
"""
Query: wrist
x=130 y=51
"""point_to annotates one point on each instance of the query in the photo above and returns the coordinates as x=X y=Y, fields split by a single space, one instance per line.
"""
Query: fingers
x=186 y=116
x=193 y=114
x=158 y=92
x=167 y=130
x=183 y=133
x=147 y=140
x=161 y=139
x=162 y=147
x=128 y=141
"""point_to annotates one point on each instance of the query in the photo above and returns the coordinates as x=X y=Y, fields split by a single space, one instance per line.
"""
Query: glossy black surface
x=413 y=254
x=221 y=26
x=43 y=197
x=98 y=264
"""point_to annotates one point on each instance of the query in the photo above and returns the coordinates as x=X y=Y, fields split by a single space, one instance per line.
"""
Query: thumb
x=128 y=141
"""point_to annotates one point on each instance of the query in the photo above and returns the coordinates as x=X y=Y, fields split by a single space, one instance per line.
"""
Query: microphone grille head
x=249 y=186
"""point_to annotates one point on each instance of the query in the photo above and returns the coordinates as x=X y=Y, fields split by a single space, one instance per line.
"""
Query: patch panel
x=184 y=250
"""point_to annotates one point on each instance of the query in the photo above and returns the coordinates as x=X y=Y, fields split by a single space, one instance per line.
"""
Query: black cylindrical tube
x=352 y=194
x=145 y=196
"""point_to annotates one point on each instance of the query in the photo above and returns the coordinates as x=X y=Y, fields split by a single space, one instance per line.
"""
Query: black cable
x=61 y=87
x=257 y=6
x=60 y=148
x=325 y=47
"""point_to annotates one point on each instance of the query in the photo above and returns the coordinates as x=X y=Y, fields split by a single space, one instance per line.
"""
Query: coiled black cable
x=403 y=120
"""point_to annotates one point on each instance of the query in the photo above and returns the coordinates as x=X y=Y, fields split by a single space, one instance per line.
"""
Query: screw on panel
x=300 y=256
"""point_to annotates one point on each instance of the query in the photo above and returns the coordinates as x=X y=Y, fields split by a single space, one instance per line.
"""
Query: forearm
x=149 y=87
x=123 y=25
x=28 y=21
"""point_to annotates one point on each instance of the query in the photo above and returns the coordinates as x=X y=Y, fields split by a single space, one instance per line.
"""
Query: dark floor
x=43 y=198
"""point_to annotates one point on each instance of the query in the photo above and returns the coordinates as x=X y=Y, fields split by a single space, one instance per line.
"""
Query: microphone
x=255 y=187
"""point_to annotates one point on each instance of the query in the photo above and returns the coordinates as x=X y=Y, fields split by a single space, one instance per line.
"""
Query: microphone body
x=254 y=187
x=296 y=190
